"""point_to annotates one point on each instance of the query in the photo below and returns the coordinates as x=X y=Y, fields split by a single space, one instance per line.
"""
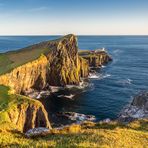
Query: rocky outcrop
x=65 y=65
x=84 y=68
x=32 y=74
x=138 y=109
x=95 y=58
x=27 y=114
x=36 y=132
x=58 y=66
x=56 y=63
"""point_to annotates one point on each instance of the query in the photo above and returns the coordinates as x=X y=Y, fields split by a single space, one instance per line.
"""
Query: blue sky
x=96 y=17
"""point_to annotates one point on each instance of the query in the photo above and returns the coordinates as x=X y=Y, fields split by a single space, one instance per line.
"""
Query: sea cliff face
x=60 y=66
x=65 y=65
x=20 y=112
x=28 y=115
x=95 y=58
x=32 y=74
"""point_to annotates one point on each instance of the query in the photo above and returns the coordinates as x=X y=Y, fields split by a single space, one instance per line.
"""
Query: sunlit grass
x=86 y=135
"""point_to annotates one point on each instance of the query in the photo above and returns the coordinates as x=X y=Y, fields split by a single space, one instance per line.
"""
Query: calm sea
x=118 y=82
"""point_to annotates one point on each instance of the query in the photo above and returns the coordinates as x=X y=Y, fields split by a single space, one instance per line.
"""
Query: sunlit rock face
x=32 y=74
x=60 y=66
x=65 y=65
x=95 y=58
x=28 y=114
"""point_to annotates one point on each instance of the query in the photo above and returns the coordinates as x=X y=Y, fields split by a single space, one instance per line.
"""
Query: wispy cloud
x=38 y=9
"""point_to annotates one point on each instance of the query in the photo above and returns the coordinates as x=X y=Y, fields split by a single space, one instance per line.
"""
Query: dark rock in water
x=35 y=132
x=141 y=100
x=138 y=109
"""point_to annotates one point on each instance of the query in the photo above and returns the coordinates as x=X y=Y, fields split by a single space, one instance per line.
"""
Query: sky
x=80 y=17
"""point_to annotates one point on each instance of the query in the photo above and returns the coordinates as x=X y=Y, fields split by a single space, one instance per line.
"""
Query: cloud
x=38 y=9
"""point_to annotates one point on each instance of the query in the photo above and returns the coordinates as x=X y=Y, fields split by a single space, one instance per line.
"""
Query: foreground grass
x=87 y=135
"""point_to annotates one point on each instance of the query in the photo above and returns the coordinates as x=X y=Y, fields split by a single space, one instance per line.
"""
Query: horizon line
x=75 y=34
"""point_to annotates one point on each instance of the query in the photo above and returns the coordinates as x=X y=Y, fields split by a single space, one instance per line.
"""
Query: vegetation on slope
x=88 y=134
x=103 y=135
x=4 y=94
x=13 y=59
x=20 y=112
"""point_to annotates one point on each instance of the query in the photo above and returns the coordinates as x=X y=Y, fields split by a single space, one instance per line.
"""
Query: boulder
x=35 y=132
x=138 y=109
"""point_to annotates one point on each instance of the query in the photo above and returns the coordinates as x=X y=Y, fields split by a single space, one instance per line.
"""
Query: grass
x=89 y=134
x=4 y=97
x=13 y=59
x=110 y=135
x=103 y=135
x=9 y=102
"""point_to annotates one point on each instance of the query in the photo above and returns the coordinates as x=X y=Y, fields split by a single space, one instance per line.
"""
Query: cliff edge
x=21 y=112
x=54 y=63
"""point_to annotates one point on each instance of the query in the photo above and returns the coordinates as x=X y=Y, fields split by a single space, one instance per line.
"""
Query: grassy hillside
x=4 y=94
x=87 y=135
x=13 y=59
x=9 y=102
x=103 y=135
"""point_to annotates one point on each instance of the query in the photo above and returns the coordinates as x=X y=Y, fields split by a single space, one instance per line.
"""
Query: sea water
x=115 y=84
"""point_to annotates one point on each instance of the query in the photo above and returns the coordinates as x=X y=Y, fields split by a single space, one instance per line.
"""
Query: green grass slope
x=102 y=135
x=13 y=59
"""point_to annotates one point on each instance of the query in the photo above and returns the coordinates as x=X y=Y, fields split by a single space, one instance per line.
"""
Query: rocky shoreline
x=62 y=72
x=137 y=109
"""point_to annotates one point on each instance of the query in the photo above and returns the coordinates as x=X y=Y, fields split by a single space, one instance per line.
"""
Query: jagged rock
x=58 y=66
x=28 y=114
x=138 y=109
x=141 y=100
x=50 y=63
x=22 y=78
x=95 y=58
x=35 y=132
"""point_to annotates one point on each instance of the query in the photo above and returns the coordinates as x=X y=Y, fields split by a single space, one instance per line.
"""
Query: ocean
x=117 y=82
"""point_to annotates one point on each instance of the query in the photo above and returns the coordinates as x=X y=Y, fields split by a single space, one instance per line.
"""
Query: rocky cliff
x=21 y=112
x=28 y=115
x=138 y=109
x=55 y=63
x=65 y=65
x=31 y=74
x=58 y=65
x=95 y=58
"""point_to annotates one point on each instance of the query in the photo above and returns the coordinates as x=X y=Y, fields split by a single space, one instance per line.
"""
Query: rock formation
x=32 y=74
x=95 y=58
x=26 y=113
x=54 y=63
x=36 y=132
x=58 y=66
x=138 y=109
